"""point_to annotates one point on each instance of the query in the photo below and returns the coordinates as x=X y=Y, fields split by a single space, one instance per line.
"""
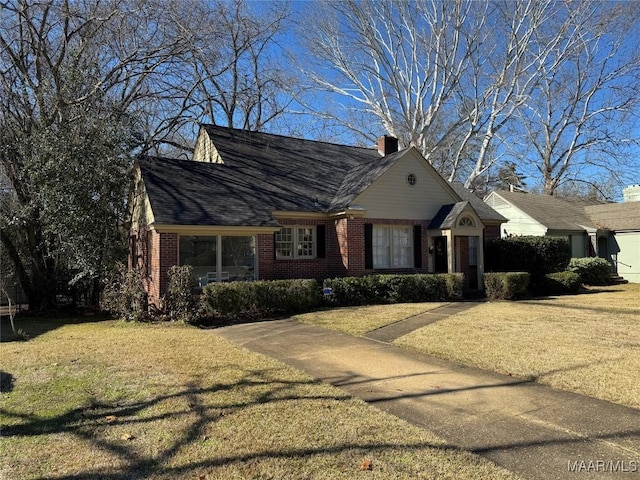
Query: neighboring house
x=259 y=206
x=622 y=246
x=592 y=227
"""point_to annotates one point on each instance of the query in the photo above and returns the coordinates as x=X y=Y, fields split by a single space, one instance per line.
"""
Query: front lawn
x=111 y=400
x=360 y=320
x=587 y=343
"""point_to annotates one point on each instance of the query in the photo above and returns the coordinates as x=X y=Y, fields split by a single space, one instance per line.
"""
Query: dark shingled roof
x=446 y=216
x=484 y=211
x=184 y=192
x=261 y=172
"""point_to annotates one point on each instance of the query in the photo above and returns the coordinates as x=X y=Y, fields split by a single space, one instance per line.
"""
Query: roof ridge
x=277 y=135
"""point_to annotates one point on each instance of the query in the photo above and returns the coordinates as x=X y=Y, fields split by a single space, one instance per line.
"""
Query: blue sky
x=304 y=12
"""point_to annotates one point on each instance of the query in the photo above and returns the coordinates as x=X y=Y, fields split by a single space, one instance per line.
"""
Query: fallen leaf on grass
x=366 y=464
x=110 y=418
x=127 y=436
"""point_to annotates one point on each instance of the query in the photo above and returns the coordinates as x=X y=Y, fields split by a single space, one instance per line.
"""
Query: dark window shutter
x=417 y=246
x=320 y=241
x=368 y=246
x=274 y=246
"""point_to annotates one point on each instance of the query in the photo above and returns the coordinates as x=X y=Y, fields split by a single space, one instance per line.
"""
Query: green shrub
x=506 y=285
x=179 y=302
x=348 y=291
x=377 y=289
x=535 y=255
x=261 y=299
x=560 y=282
x=593 y=271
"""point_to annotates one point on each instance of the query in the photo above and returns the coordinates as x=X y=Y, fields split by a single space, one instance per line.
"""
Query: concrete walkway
x=532 y=430
x=400 y=328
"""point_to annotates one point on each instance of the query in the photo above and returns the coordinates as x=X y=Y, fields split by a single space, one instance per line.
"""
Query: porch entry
x=218 y=258
x=466 y=251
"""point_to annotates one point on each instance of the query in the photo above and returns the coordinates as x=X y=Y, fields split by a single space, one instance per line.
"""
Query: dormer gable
x=205 y=150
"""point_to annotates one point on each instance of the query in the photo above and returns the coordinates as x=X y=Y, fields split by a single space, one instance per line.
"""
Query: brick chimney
x=387 y=145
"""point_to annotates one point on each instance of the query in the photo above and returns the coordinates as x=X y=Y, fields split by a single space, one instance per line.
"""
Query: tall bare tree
x=579 y=123
x=504 y=70
x=451 y=78
x=396 y=63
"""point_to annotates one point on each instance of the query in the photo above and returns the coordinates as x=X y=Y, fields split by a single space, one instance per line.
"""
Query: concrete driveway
x=535 y=431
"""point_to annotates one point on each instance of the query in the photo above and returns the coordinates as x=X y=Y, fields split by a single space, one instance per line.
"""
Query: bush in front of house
x=124 y=296
x=388 y=288
x=179 y=303
x=592 y=270
x=560 y=282
x=350 y=291
x=261 y=299
x=535 y=255
x=506 y=285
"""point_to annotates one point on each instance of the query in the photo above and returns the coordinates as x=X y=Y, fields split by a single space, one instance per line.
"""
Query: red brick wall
x=168 y=247
x=271 y=268
x=349 y=233
x=491 y=232
x=164 y=254
x=344 y=251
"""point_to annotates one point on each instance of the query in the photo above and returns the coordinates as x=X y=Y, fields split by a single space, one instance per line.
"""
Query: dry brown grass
x=588 y=343
x=360 y=320
x=116 y=401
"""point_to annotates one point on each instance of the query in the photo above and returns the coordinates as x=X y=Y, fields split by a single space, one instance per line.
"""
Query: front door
x=440 y=255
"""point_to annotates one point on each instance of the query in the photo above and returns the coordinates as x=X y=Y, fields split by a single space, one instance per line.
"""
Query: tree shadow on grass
x=35 y=326
x=6 y=382
x=98 y=426
x=548 y=302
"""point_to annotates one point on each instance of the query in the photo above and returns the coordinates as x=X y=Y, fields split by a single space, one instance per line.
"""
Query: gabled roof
x=301 y=175
x=616 y=216
x=447 y=215
x=553 y=212
x=260 y=173
x=361 y=176
x=484 y=211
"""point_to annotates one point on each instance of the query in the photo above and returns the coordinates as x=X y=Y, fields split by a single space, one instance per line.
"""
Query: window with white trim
x=392 y=246
x=296 y=242
x=466 y=222
x=284 y=243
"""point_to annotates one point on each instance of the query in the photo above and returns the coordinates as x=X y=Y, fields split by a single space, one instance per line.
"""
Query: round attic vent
x=412 y=179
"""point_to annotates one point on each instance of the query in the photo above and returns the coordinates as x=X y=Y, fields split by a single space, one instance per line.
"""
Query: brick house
x=252 y=205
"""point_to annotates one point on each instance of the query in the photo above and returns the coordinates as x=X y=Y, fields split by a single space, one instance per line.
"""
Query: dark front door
x=440 y=255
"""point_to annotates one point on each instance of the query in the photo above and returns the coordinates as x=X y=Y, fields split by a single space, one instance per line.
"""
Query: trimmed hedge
x=535 y=255
x=506 y=285
x=261 y=299
x=561 y=282
x=379 y=289
x=593 y=270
